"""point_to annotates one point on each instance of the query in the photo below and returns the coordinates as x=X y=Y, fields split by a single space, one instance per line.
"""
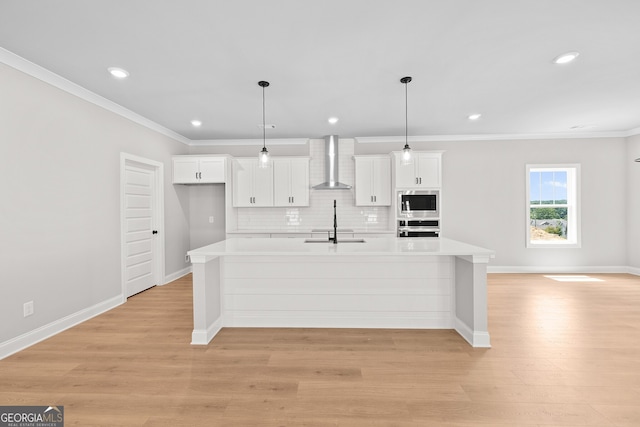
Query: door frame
x=127 y=159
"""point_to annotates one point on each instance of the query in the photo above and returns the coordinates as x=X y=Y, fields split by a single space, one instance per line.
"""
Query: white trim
x=158 y=208
x=256 y=142
x=516 y=269
x=30 y=338
x=175 y=276
x=633 y=132
x=633 y=270
x=202 y=336
x=476 y=339
x=40 y=73
x=496 y=137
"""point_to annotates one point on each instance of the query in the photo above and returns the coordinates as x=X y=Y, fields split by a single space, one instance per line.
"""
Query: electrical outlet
x=186 y=258
x=28 y=308
x=211 y=220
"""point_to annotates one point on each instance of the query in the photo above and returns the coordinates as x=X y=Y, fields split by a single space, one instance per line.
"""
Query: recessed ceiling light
x=474 y=116
x=196 y=123
x=565 y=58
x=118 y=73
x=332 y=120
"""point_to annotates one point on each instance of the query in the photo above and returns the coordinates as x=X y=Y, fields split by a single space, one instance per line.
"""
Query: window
x=553 y=206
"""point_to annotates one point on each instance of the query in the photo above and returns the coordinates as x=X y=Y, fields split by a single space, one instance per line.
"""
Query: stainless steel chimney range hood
x=331 y=166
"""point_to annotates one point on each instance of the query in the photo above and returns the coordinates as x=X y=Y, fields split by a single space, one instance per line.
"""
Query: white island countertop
x=374 y=246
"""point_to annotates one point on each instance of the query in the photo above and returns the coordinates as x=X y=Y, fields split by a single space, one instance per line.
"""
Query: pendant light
x=406 y=151
x=263 y=156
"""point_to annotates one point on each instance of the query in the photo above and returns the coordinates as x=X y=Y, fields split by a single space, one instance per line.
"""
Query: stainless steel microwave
x=419 y=204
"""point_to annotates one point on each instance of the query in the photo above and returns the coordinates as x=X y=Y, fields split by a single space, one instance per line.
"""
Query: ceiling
x=202 y=59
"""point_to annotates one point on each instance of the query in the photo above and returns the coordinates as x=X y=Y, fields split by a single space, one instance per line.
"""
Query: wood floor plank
x=564 y=354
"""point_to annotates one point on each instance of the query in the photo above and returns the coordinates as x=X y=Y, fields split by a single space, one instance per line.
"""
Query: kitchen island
x=379 y=283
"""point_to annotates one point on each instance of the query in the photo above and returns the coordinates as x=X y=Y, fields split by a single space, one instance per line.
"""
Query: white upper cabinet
x=423 y=171
x=373 y=180
x=290 y=181
x=252 y=185
x=199 y=170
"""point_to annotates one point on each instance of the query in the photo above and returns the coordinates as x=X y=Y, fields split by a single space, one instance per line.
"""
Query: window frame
x=574 y=239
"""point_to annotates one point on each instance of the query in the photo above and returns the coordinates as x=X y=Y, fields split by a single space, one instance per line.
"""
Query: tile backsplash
x=319 y=213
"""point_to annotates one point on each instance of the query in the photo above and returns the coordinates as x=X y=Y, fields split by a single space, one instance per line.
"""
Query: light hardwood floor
x=564 y=354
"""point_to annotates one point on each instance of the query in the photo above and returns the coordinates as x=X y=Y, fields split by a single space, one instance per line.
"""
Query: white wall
x=60 y=207
x=633 y=196
x=206 y=200
x=484 y=197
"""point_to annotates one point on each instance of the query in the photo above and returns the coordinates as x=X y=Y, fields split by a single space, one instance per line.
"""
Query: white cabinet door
x=300 y=182
x=198 y=170
x=252 y=186
x=281 y=182
x=291 y=182
x=381 y=180
x=428 y=170
x=242 y=183
x=422 y=172
x=373 y=181
x=185 y=170
x=212 y=170
x=262 y=185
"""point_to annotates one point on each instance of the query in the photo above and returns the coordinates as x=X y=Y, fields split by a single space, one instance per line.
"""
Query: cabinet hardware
x=420 y=180
x=375 y=198
x=154 y=232
x=417 y=181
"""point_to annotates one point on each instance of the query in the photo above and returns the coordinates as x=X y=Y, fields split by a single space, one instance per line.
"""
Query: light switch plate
x=28 y=308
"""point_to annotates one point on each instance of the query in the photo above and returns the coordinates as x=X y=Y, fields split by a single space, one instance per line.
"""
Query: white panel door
x=139 y=229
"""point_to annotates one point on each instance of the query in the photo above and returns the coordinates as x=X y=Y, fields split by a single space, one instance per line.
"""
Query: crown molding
x=275 y=141
x=494 y=137
x=49 y=77
x=633 y=132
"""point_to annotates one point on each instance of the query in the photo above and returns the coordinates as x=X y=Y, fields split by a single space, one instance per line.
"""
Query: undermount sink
x=339 y=241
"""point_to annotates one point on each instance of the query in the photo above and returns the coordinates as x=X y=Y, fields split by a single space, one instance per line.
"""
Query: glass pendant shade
x=263 y=158
x=406 y=154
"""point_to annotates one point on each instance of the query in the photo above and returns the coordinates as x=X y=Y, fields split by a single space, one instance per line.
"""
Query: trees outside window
x=553 y=209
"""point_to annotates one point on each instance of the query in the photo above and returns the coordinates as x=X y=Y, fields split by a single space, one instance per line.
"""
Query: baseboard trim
x=634 y=270
x=477 y=339
x=203 y=336
x=178 y=274
x=30 y=338
x=560 y=269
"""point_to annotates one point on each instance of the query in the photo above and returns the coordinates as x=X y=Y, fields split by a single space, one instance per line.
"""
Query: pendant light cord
x=264 y=126
x=406 y=114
